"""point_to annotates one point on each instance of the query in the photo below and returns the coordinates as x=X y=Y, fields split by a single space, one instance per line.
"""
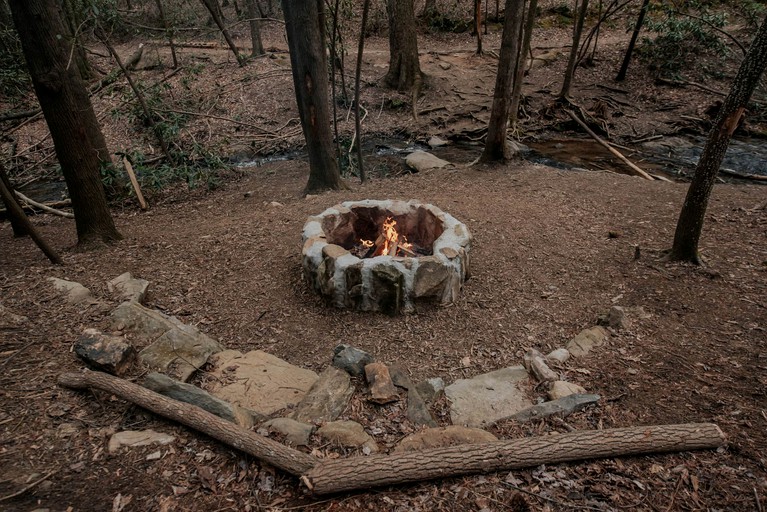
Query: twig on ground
x=43 y=207
x=30 y=486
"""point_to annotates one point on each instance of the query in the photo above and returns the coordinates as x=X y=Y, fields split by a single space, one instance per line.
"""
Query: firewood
x=287 y=459
x=339 y=475
x=393 y=249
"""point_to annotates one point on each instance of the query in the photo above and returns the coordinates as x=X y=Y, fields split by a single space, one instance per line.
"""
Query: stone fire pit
x=434 y=268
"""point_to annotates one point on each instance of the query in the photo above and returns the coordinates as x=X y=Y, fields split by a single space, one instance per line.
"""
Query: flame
x=392 y=241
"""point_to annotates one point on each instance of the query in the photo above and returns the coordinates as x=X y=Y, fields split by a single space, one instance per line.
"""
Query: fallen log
x=338 y=475
x=278 y=455
x=637 y=170
x=43 y=207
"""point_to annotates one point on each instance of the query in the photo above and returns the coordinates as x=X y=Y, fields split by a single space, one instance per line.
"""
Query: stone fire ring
x=391 y=284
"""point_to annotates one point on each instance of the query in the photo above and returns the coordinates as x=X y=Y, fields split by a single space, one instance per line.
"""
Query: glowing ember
x=389 y=242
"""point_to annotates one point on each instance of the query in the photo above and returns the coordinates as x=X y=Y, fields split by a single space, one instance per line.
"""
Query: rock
x=423 y=161
x=349 y=434
x=9 y=319
x=327 y=398
x=259 y=381
x=178 y=349
x=276 y=204
x=436 y=142
x=382 y=390
x=132 y=438
x=387 y=288
x=111 y=354
x=488 y=397
x=352 y=360
x=616 y=318
x=587 y=340
x=75 y=292
x=517 y=148
x=560 y=355
x=295 y=432
x=128 y=287
x=535 y=364
x=443 y=436
x=445 y=65
x=562 y=407
x=417 y=410
x=190 y=394
x=430 y=276
x=431 y=388
x=561 y=389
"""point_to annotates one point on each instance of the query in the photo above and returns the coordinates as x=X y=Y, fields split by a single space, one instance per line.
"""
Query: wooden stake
x=134 y=182
x=634 y=167
x=287 y=459
x=331 y=476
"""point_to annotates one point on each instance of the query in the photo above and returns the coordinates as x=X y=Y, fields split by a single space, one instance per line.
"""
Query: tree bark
x=331 y=476
x=19 y=218
x=357 y=77
x=77 y=137
x=168 y=32
x=287 y=459
x=634 y=36
x=404 y=72
x=304 y=23
x=516 y=92
x=572 y=60
x=690 y=223
x=478 y=24
x=495 y=145
x=215 y=13
x=255 y=29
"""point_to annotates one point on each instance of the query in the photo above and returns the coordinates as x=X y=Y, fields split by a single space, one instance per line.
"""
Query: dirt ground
x=553 y=249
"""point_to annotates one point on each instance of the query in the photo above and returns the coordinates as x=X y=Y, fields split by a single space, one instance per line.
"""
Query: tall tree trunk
x=255 y=28
x=495 y=145
x=690 y=223
x=218 y=18
x=478 y=24
x=404 y=68
x=304 y=24
x=572 y=61
x=516 y=92
x=357 y=76
x=77 y=138
x=17 y=224
x=634 y=36
x=168 y=32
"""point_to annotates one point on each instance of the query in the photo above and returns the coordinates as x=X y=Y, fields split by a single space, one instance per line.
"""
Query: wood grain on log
x=363 y=472
x=287 y=459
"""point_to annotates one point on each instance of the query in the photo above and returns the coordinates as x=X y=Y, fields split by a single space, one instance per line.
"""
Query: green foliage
x=450 y=19
x=199 y=168
x=14 y=79
x=680 y=38
x=753 y=12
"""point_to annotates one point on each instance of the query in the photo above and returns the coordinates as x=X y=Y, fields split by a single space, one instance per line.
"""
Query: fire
x=389 y=242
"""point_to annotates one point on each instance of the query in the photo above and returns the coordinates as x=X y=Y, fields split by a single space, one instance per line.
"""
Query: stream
x=671 y=156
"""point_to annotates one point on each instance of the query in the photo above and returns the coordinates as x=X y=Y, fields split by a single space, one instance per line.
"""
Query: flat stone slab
x=259 y=381
x=178 y=350
x=133 y=438
x=295 y=432
x=348 y=433
x=190 y=394
x=423 y=161
x=327 y=398
x=128 y=287
x=586 y=340
x=562 y=407
x=74 y=292
x=111 y=354
x=487 y=398
x=443 y=436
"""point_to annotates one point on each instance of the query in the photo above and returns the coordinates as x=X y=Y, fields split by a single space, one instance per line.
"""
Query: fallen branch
x=331 y=476
x=287 y=459
x=682 y=83
x=43 y=207
x=30 y=486
x=20 y=115
x=632 y=166
x=755 y=177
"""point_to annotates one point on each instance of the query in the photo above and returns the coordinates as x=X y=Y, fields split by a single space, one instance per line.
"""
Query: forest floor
x=552 y=250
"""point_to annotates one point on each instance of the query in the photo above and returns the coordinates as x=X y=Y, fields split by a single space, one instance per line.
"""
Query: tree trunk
x=429 y=9
x=255 y=28
x=77 y=138
x=571 y=62
x=690 y=223
x=404 y=72
x=19 y=218
x=304 y=23
x=168 y=32
x=218 y=18
x=357 y=76
x=634 y=36
x=17 y=224
x=331 y=476
x=478 y=24
x=75 y=22
x=495 y=145
x=516 y=92
x=280 y=456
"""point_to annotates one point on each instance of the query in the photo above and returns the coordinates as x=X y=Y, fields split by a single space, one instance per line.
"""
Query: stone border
x=386 y=283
